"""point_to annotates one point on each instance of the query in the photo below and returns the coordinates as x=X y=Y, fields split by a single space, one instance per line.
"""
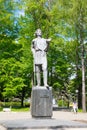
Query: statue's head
x=38 y=32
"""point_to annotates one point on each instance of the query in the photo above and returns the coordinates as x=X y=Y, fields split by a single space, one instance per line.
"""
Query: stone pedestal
x=41 y=102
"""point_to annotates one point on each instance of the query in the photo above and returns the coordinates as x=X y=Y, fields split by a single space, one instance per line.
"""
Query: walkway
x=60 y=120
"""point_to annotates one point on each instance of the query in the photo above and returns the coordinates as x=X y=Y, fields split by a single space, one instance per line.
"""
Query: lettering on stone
x=44 y=96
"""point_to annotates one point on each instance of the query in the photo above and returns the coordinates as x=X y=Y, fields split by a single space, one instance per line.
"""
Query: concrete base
x=41 y=124
x=41 y=102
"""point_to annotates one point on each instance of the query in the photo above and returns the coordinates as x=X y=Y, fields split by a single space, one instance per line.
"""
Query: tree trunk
x=83 y=70
x=82 y=59
x=83 y=82
x=22 y=97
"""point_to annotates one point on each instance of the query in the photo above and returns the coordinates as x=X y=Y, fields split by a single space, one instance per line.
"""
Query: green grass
x=24 y=109
x=79 y=110
x=17 y=109
x=15 y=106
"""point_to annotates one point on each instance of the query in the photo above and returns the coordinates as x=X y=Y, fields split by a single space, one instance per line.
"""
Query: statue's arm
x=47 y=41
x=33 y=48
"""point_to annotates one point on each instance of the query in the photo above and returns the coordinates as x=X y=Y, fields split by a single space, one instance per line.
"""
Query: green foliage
x=14 y=59
x=62 y=103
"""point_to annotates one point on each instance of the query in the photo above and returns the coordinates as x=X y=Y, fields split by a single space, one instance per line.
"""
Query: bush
x=12 y=104
x=27 y=104
x=62 y=103
x=1 y=108
x=15 y=106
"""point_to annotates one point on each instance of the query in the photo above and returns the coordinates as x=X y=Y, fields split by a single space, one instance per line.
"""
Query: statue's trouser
x=44 y=78
x=38 y=78
x=43 y=67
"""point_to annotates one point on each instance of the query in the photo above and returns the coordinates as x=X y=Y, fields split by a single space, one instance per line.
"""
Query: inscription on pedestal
x=41 y=105
x=45 y=96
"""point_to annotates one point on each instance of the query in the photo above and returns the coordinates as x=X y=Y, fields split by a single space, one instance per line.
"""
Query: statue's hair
x=38 y=31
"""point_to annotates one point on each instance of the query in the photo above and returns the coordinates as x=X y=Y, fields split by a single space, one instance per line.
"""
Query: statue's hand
x=48 y=40
x=46 y=49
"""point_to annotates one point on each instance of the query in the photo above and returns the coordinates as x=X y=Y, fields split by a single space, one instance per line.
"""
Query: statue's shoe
x=47 y=86
x=37 y=85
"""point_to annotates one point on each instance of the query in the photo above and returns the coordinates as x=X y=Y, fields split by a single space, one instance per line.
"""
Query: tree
x=13 y=56
x=76 y=14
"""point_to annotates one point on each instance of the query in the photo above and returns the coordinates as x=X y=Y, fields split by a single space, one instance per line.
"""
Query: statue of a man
x=39 y=48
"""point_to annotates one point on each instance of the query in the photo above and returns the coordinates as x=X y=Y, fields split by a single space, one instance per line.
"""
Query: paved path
x=60 y=120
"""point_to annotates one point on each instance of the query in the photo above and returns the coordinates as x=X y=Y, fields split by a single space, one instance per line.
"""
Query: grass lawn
x=24 y=109
x=18 y=109
x=15 y=106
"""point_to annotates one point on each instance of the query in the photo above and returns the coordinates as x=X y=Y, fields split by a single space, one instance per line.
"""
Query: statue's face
x=38 y=32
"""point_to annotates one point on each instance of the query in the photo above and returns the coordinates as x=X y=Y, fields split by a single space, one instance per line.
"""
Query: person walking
x=75 y=107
